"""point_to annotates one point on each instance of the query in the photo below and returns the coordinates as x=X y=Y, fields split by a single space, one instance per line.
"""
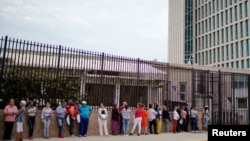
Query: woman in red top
x=144 y=121
x=137 y=119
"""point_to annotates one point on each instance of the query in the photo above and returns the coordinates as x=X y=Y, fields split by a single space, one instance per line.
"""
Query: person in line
x=31 y=111
x=152 y=119
x=84 y=111
x=72 y=111
x=60 y=117
x=206 y=117
x=144 y=121
x=176 y=119
x=124 y=103
x=137 y=119
x=115 y=120
x=9 y=119
x=182 y=121
x=194 y=119
x=126 y=116
x=166 y=118
x=178 y=126
x=187 y=117
x=46 y=119
x=19 y=121
x=102 y=120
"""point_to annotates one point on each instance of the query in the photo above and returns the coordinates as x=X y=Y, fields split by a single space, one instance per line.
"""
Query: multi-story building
x=215 y=33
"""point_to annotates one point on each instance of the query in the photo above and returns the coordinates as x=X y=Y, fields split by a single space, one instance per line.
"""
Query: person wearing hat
x=19 y=121
x=206 y=117
x=84 y=111
x=72 y=111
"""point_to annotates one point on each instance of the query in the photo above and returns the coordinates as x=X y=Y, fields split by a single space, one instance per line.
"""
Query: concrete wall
x=92 y=130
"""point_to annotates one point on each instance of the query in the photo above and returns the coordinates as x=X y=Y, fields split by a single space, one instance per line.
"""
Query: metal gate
x=226 y=95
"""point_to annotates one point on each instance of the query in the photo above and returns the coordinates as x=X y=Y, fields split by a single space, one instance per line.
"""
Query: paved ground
x=161 y=137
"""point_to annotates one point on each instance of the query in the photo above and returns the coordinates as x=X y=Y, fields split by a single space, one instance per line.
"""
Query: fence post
x=137 y=82
x=3 y=64
x=220 y=98
x=101 y=81
x=193 y=88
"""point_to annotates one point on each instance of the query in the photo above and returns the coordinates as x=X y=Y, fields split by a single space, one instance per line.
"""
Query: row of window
x=225 y=53
x=224 y=35
x=224 y=18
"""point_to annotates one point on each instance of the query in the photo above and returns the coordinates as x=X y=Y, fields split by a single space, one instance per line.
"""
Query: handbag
x=78 y=118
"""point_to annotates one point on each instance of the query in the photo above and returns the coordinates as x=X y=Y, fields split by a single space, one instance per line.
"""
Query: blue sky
x=131 y=28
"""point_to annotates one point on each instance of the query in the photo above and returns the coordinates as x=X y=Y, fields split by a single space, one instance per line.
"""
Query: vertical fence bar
x=137 y=80
x=3 y=63
x=101 y=81
x=220 y=98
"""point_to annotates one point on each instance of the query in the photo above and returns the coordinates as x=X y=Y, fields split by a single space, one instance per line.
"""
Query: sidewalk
x=168 y=136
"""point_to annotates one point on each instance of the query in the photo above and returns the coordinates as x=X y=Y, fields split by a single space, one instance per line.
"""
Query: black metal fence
x=44 y=72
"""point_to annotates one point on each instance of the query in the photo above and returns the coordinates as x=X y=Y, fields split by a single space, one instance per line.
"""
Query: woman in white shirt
x=102 y=120
x=46 y=118
x=176 y=118
x=31 y=111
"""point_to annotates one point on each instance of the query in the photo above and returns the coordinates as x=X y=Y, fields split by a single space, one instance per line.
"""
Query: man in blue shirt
x=84 y=111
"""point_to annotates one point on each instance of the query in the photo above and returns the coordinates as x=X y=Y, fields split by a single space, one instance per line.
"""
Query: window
x=222 y=36
x=214 y=55
x=218 y=37
x=218 y=20
x=248 y=47
x=236 y=31
x=241 y=30
x=227 y=65
x=232 y=64
x=227 y=52
x=247 y=27
x=222 y=53
x=242 y=102
x=246 y=8
x=210 y=40
x=231 y=14
x=210 y=57
x=242 y=64
x=237 y=64
x=226 y=34
x=236 y=13
x=248 y=63
x=242 y=48
x=210 y=23
x=213 y=22
x=206 y=58
x=218 y=55
x=222 y=20
x=226 y=16
x=236 y=50
x=183 y=90
x=214 y=38
x=232 y=51
x=241 y=11
x=231 y=32
x=206 y=41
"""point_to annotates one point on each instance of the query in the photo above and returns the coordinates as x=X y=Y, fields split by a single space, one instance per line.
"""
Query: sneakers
x=60 y=136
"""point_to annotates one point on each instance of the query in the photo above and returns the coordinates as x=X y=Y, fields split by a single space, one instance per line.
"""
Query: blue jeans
x=194 y=122
x=60 y=122
x=84 y=123
x=125 y=124
x=31 y=121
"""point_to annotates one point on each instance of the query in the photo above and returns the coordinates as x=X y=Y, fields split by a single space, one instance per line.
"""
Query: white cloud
x=132 y=28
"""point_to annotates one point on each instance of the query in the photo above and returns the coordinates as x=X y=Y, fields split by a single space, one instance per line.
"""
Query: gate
x=226 y=95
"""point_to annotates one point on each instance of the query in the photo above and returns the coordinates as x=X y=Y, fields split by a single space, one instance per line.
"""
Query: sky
x=130 y=28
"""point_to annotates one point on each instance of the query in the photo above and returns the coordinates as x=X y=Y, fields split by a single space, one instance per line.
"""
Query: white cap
x=206 y=106
x=23 y=102
x=84 y=102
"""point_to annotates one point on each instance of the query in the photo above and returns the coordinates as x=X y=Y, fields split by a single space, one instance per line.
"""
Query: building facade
x=220 y=33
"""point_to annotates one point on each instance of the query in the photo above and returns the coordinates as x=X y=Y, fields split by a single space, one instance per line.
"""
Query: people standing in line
x=9 y=119
x=72 y=111
x=46 y=119
x=144 y=121
x=60 y=117
x=126 y=116
x=166 y=118
x=115 y=120
x=194 y=119
x=152 y=119
x=137 y=119
x=31 y=111
x=206 y=117
x=102 y=120
x=19 y=121
x=187 y=117
x=183 y=119
x=176 y=119
x=84 y=111
x=124 y=103
x=178 y=122
x=158 y=119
